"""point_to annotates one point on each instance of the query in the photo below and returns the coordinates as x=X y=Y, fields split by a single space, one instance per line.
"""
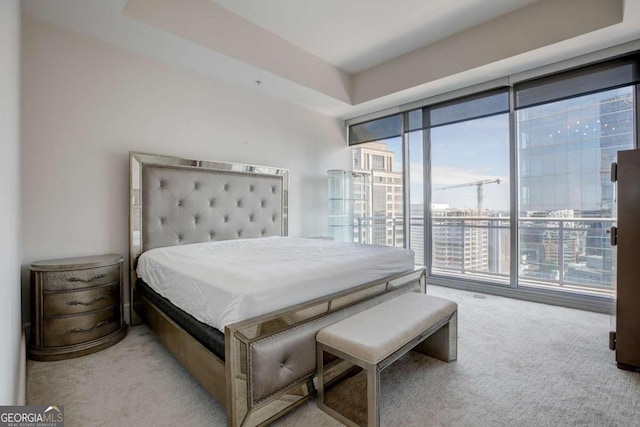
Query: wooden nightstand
x=76 y=306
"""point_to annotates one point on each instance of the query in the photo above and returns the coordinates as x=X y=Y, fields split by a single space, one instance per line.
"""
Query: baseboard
x=21 y=392
x=596 y=303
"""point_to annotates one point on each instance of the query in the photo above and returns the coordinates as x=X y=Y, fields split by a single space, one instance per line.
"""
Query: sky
x=467 y=152
x=461 y=153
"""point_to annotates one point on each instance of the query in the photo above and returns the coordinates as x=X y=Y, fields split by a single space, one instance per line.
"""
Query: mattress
x=206 y=335
x=221 y=283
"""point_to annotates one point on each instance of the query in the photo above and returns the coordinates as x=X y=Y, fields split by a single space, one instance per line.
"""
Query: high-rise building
x=417 y=237
x=565 y=152
x=458 y=245
x=499 y=246
x=616 y=130
x=379 y=220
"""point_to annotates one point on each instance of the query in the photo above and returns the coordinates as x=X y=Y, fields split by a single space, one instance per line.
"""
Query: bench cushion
x=376 y=333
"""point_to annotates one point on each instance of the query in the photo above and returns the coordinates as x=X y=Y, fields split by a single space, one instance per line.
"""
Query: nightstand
x=76 y=306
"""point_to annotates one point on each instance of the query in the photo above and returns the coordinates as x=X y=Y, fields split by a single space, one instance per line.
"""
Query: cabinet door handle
x=89 y=280
x=86 y=331
x=613 y=230
x=95 y=300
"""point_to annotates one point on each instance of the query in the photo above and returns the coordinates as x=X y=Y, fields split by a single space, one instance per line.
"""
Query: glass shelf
x=345 y=189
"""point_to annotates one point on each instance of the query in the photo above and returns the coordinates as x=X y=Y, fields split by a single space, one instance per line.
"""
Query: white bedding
x=220 y=283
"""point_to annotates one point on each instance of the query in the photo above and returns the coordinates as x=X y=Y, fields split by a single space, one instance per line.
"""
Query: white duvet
x=220 y=283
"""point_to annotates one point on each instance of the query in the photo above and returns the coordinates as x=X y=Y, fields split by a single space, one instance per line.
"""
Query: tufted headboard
x=176 y=201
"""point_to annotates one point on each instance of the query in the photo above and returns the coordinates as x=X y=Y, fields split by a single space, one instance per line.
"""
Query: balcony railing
x=379 y=230
x=477 y=247
x=571 y=253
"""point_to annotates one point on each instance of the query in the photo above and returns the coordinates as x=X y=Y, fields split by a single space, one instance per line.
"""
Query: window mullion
x=513 y=175
x=426 y=153
x=406 y=209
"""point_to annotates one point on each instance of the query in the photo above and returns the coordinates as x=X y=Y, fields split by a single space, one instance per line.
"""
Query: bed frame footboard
x=271 y=359
x=270 y=365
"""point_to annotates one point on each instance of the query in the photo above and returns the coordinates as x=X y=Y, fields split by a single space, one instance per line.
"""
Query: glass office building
x=565 y=150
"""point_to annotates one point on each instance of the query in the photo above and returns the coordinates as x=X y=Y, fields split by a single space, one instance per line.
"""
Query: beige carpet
x=519 y=364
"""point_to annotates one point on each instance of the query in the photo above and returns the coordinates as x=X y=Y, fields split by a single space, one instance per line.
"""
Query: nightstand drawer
x=82 y=328
x=79 y=279
x=67 y=303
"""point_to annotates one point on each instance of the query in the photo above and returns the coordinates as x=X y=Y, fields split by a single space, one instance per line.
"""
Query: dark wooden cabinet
x=627 y=335
x=76 y=306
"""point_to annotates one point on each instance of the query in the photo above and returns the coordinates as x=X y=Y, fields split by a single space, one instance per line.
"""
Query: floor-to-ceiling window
x=511 y=187
x=469 y=180
x=565 y=150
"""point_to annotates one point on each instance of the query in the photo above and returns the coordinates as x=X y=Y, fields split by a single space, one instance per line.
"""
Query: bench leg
x=373 y=396
x=337 y=401
x=320 y=375
x=442 y=344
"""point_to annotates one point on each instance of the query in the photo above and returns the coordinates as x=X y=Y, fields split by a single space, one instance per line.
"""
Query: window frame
x=564 y=297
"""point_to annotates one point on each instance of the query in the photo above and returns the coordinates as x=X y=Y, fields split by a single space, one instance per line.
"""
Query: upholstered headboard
x=175 y=201
x=182 y=206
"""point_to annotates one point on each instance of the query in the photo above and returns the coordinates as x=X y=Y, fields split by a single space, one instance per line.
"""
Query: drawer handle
x=86 y=331
x=89 y=280
x=95 y=300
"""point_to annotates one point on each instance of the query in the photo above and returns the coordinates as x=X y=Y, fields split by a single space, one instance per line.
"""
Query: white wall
x=10 y=324
x=87 y=103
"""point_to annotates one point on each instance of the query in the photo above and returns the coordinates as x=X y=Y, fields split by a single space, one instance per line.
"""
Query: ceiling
x=349 y=58
x=357 y=34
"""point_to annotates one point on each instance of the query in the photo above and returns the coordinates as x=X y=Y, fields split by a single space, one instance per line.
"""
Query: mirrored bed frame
x=268 y=365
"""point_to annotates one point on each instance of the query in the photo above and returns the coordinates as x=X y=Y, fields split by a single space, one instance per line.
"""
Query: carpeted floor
x=519 y=364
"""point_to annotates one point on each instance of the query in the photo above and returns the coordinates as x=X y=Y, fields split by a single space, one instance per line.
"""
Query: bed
x=256 y=354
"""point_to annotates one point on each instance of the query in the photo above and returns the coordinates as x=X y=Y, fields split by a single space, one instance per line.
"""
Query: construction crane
x=478 y=184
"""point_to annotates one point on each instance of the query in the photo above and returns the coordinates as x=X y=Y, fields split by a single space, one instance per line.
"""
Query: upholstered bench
x=375 y=338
